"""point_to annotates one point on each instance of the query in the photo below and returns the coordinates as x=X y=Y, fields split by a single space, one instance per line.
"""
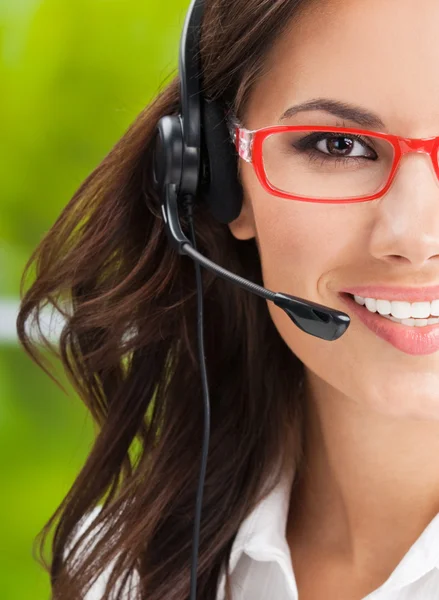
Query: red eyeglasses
x=327 y=164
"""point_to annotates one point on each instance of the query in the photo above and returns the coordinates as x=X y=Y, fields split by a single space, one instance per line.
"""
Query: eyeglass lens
x=327 y=165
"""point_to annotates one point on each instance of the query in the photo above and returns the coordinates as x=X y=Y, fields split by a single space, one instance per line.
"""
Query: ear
x=243 y=227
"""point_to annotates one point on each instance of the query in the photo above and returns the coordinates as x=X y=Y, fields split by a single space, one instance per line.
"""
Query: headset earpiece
x=220 y=187
x=168 y=153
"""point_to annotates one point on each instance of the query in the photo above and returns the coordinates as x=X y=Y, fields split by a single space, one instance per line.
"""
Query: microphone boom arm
x=312 y=318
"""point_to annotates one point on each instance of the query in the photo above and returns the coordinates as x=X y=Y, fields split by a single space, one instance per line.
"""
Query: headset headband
x=190 y=67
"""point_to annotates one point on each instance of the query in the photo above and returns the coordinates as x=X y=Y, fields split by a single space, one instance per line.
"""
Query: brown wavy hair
x=129 y=346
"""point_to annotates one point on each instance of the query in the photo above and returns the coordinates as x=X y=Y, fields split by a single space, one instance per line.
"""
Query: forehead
x=382 y=55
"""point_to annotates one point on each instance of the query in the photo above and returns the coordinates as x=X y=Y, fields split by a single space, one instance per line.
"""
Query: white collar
x=262 y=537
x=421 y=557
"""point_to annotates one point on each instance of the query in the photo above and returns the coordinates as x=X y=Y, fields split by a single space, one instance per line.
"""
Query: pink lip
x=425 y=294
x=411 y=340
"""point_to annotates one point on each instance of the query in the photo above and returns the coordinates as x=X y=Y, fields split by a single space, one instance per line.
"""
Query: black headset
x=195 y=160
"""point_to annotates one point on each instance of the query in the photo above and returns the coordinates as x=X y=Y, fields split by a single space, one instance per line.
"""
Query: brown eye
x=342 y=145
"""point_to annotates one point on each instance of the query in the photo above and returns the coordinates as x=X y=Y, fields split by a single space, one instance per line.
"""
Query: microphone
x=317 y=320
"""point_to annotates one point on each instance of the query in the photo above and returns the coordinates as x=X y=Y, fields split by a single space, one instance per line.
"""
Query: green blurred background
x=74 y=74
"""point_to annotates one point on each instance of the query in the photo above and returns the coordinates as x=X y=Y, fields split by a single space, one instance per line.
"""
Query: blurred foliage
x=73 y=77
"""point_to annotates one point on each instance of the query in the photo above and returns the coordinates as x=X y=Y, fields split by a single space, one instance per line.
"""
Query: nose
x=405 y=228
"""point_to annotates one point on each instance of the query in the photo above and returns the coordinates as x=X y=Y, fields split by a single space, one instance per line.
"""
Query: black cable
x=206 y=401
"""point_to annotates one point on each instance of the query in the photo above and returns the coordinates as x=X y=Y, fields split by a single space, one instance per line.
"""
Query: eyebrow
x=343 y=110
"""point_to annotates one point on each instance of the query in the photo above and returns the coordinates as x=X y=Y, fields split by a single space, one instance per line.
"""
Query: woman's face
x=381 y=56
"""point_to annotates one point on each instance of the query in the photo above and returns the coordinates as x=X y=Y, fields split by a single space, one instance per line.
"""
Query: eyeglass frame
x=249 y=143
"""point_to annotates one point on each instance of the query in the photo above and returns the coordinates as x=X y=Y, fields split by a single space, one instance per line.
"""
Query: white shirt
x=261 y=566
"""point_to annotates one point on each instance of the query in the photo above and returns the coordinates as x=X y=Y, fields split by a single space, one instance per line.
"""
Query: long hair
x=129 y=346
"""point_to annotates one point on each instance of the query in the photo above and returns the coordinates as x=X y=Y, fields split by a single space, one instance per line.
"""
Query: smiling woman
x=321 y=480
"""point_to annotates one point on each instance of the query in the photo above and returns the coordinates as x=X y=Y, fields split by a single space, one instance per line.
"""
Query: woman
x=322 y=480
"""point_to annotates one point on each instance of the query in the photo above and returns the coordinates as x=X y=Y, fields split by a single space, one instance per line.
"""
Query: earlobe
x=243 y=227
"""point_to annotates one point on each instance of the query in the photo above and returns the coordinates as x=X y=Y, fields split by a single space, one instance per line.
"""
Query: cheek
x=303 y=247
x=300 y=243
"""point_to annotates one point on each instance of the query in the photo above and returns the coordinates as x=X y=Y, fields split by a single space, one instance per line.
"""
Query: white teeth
x=384 y=307
x=371 y=304
x=421 y=310
x=413 y=322
x=400 y=310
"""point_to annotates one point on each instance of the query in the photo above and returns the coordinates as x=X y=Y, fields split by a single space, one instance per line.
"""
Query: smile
x=416 y=314
x=411 y=335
